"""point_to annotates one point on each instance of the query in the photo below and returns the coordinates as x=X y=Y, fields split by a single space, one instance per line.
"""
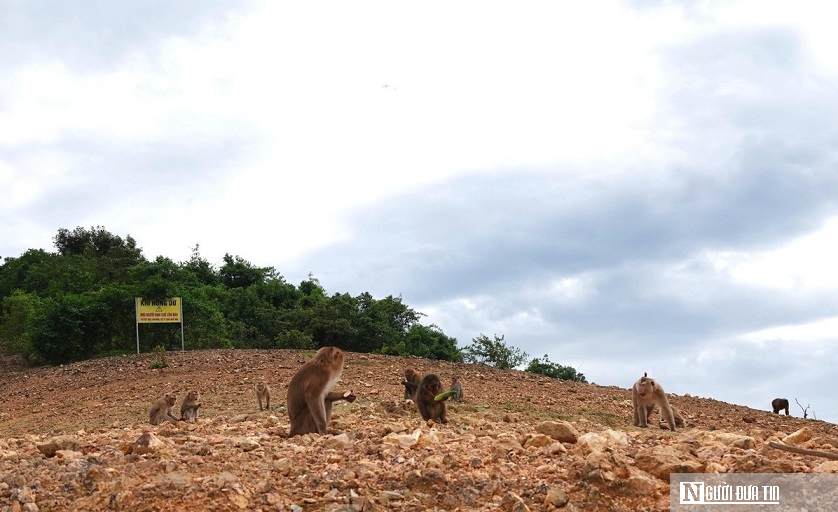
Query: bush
x=494 y=353
x=547 y=368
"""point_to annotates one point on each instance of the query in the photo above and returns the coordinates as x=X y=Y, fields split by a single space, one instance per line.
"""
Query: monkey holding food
x=429 y=407
x=310 y=396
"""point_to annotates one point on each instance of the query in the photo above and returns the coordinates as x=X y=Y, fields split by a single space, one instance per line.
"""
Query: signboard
x=158 y=310
x=161 y=311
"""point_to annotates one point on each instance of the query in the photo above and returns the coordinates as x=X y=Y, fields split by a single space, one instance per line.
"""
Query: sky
x=623 y=186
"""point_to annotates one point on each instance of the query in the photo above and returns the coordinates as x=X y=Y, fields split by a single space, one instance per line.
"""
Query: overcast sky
x=626 y=187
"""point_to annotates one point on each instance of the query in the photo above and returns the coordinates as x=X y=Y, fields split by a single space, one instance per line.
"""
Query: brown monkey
x=779 y=404
x=189 y=407
x=263 y=392
x=161 y=409
x=679 y=420
x=411 y=383
x=645 y=394
x=429 y=408
x=309 y=399
x=457 y=387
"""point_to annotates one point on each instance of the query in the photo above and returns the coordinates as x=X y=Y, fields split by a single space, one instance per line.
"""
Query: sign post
x=169 y=310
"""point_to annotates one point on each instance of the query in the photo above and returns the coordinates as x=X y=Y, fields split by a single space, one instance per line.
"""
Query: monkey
x=679 y=420
x=779 y=404
x=429 y=408
x=161 y=409
x=457 y=387
x=645 y=394
x=411 y=383
x=189 y=407
x=263 y=392
x=309 y=399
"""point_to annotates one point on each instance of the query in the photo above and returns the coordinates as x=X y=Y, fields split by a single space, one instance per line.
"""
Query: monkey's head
x=409 y=373
x=261 y=386
x=192 y=395
x=330 y=356
x=455 y=380
x=171 y=398
x=645 y=385
x=432 y=383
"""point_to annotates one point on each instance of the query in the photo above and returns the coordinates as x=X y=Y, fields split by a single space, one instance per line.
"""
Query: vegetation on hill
x=78 y=302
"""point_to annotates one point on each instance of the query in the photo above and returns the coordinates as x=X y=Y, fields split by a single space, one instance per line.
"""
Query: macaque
x=457 y=387
x=263 y=392
x=161 y=409
x=411 y=383
x=189 y=407
x=645 y=394
x=429 y=408
x=779 y=404
x=310 y=396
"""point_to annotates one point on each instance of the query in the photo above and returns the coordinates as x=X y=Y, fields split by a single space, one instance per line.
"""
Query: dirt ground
x=492 y=455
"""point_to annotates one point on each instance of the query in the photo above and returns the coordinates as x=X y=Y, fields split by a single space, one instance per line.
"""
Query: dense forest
x=79 y=302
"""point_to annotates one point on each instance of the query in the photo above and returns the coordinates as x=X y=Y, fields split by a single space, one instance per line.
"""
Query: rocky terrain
x=76 y=438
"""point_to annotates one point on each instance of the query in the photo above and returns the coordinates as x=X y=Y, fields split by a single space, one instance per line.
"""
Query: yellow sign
x=158 y=310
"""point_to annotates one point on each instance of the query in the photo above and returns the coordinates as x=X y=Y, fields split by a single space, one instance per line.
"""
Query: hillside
x=67 y=439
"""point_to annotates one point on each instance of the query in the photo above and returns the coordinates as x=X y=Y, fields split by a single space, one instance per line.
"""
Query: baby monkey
x=457 y=387
x=263 y=392
x=189 y=407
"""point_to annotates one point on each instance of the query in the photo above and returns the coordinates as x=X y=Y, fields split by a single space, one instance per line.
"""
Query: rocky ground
x=76 y=438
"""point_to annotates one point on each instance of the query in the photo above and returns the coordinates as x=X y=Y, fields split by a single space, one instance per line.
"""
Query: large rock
x=799 y=437
x=660 y=461
x=561 y=431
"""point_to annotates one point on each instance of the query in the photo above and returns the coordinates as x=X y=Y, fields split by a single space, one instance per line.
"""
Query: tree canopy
x=78 y=302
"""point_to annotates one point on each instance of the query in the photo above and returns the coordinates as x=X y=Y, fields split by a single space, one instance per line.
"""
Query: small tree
x=805 y=410
x=493 y=353
x=547 y=368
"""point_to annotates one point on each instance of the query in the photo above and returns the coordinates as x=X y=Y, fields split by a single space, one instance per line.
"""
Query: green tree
x=547 y=368
x=494 y=352
x=295 y=339
x=240 y=273
x=424 y=341
x=16 y=311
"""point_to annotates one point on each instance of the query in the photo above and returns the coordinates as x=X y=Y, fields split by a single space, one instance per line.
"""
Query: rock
x=511 y=502
x=537 y=441
x=660 y=461
x=176 y=479
x=826 y=467
x=52 y=446
x=593 y=441
x=556 y=497
x=561 y=431
x=728 y=439
x=799 y=437
x=404 y=440
x=146 y=443
x=428 y=480
x=505 y=445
